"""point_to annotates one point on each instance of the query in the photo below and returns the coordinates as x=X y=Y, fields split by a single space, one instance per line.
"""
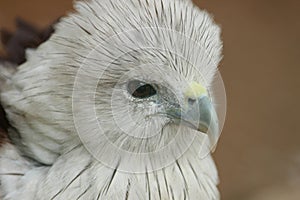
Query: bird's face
x=150 y=104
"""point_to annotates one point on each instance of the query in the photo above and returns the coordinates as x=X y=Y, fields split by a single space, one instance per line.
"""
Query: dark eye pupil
x=141 y=90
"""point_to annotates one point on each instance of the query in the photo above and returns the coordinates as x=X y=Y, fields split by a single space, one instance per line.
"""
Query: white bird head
x=134 y=74
x=145 y=68
x=129 y=81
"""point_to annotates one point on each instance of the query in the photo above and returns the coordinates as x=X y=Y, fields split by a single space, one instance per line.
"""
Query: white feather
x=38 y=100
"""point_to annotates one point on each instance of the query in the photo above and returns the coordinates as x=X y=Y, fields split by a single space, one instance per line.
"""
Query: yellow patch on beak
x=195 y=91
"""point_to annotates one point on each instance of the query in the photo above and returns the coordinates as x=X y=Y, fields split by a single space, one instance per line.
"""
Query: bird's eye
x=141 y=90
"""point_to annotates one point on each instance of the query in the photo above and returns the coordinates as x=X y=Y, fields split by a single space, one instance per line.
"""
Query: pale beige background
x=259 y=152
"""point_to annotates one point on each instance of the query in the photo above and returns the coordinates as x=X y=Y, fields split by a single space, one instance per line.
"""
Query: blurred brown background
x=259 y=152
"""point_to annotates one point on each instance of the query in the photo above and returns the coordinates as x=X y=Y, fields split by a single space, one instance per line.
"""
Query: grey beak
x=199 y=114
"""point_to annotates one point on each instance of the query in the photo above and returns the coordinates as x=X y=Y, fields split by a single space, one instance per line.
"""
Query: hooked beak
x=198 y=113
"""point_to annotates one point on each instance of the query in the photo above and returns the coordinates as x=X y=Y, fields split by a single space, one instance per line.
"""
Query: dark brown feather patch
x=25 y=36
x=3 y=127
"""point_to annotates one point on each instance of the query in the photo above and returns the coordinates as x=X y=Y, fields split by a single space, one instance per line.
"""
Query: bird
x=115 y=104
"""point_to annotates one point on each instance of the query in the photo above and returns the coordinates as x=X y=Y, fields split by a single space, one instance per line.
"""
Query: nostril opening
x=191 y=101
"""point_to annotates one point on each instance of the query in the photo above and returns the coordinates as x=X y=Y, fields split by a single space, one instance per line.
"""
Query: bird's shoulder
x=13 y=53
